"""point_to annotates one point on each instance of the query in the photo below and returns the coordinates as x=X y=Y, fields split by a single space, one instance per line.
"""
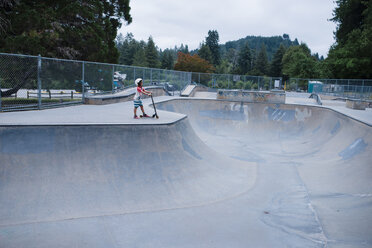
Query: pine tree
x=262 y=63
x=245 y=59
x=276 y=65
x=205 y=53
x=126 y=50
x=212 y=42
x=139 y=58
x=151 y=54
x=167 y=61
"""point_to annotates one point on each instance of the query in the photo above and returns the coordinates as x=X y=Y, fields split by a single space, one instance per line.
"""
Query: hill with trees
x=255 y=43
x=87 y=30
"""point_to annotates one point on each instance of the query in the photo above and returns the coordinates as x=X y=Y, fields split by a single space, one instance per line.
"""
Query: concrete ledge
x=251 y=96
x=356 y=104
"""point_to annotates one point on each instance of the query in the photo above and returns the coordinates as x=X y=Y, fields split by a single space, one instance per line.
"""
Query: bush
x=222 y=84
x=248 y=85
x=239 y=85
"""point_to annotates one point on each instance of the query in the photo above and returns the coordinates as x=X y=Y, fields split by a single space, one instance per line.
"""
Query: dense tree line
x=242 y=60
x=87 y=30
x=146 y=54
x=351 y=55
x=84 y=29
x=279 y=56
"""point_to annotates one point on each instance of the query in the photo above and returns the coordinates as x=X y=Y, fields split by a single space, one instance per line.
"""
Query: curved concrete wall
x=54 y=173
x=325 y=153
x=251 y=175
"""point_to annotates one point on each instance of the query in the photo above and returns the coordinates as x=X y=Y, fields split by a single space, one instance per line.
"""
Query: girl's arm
x=146 y=92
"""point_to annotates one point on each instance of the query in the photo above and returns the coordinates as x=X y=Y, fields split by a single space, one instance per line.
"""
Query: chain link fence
x=345 y=88
x=230 y=81
x=35 y=82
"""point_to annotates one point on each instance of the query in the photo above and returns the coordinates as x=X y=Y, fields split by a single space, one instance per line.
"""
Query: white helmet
x=138 y=80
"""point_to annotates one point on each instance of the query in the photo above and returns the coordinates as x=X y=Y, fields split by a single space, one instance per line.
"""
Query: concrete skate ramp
x=325 y=153
x=54 y=173
x=231 y=174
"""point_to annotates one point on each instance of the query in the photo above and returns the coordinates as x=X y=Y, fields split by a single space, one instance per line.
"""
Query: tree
x=351 y=55
x=5 y=7
x=276 y=65
x=348 y=15
x=84 y=30
x=212 y=42
x=205 y=53
x=262 y=63
x=127 y=48
x=139 y=58
x=183 y=49
x=224 y=67
x=245 y=59
x=192 y=63
x=298 y=62
x=151 y=54
x=167 y=61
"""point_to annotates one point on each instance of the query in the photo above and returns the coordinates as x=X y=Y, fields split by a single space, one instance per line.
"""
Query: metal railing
x=35 y=82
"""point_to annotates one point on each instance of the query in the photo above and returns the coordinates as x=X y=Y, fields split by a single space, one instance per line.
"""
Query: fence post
x=112 y=79
x=1 y=109
x=151 y=75
x=296 y=84
x=39 y=81
x=83 y=83
x=134 y=74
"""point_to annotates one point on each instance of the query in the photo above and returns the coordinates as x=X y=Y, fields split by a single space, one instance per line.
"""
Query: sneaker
x=136 y=117
x=145 y=115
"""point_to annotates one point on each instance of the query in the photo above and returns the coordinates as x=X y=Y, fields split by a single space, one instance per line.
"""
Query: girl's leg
x=143 y=111
x=135 y=111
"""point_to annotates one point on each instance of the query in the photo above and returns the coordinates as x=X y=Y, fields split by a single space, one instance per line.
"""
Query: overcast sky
x=172 y=22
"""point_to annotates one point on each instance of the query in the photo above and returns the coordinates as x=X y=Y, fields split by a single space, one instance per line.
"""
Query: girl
x=137 y=98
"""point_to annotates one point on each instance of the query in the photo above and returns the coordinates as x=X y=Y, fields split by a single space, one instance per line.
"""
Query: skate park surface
x=208 y=173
